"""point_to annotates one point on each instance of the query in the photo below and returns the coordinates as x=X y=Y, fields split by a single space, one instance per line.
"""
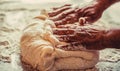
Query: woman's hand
x=67 y=14
x=90 y=13
x=75 y=33
x=63 y=15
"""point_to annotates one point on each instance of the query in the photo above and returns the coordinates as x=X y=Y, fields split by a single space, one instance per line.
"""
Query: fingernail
x=82 y=21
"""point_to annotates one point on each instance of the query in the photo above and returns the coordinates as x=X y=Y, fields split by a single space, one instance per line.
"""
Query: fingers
x=69 y=35
x=77 y=34
x=81 y=10
x=62 y=15
x=79 y=37
x=59 y=10
x=64 y=34
x=63 y=31
x=55 y=8
x=66 y=14
x=66 y=29
x=69 y=19
x=66 y=38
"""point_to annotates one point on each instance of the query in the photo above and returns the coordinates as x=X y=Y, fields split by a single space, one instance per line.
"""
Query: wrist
x=103 y=4
x=106 y=3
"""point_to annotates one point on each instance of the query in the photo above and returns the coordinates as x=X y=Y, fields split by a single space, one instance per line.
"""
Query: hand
x=75 y=33
x=66 y=32
x=63 y=15
x=90 y=13
x=66 y=14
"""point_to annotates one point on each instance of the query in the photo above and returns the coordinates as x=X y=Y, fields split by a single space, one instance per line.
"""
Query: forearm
x=106 y=3
x=112 y=38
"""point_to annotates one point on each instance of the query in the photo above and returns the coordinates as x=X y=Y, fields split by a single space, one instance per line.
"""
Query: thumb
x=85 y=20
x=82 y=21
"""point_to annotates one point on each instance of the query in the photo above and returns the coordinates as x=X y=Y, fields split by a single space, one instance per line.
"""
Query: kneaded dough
x=38 y=48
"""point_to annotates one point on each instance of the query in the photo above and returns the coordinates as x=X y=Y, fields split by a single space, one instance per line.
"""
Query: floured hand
x=68 y=14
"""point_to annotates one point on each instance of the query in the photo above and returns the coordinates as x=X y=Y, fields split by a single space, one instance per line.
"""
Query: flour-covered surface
x=16 y=14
